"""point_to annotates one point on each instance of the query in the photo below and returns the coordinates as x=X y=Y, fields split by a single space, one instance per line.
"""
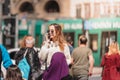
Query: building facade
x=52 y=9
x=97 y=9
x=42 y=9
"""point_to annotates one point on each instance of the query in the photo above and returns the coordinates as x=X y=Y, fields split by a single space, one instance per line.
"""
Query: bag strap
x=25 y=52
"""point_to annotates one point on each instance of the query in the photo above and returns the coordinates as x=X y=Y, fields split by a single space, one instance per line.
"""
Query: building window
x=26 y=7
x=78 y=11
x=52 y=7
x=87 y=10
x=96 y=10
x=116 y=9
x=107 y=38
x=93 y=42
x=106 y=9
x=109 y=11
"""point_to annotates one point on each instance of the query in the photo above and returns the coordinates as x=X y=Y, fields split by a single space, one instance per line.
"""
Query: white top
x=47 y=51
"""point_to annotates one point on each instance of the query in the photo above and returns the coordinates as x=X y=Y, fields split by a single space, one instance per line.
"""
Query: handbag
x=24 y=67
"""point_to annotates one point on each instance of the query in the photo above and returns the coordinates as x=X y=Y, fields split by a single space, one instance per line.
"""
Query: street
x=97 y=77
x=96 y=74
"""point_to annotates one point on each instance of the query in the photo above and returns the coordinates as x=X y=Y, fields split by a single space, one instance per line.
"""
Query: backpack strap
x=25 y=52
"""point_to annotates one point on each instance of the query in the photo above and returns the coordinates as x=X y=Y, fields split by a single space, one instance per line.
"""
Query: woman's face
x=29 y=41
x=52 y=31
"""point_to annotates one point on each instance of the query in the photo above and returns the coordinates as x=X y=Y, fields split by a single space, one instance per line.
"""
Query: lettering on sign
x=102 y=25
x=72 y=26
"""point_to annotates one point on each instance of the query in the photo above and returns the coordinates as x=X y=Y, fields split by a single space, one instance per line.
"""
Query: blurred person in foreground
x=31 y=56
x=83 y=60
x=13 y=73
x=111 y=63
x=54 y=42
x=4 y=60
x=58 y=69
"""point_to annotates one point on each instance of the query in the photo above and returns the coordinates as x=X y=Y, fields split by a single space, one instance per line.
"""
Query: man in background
x=83 y=61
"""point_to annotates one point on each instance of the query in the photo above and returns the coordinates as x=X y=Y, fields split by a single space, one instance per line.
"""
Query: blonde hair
x=114 y=48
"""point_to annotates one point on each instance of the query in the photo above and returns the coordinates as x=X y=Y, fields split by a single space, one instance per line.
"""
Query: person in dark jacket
x=5 y=58
x=31 y=56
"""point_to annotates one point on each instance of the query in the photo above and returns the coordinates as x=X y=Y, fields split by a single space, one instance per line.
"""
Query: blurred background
x=99 y=20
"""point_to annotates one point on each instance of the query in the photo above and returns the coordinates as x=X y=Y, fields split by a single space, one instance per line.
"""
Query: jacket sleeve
x=19 y=55
x=5 y=57
x=103 y=61
x=118 y=61
x=43 y=53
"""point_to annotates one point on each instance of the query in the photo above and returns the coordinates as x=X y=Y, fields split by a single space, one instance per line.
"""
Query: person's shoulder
x=65 y=44
x=1 y=46
x=37 y=50
x=77 y=48
x=87 y=48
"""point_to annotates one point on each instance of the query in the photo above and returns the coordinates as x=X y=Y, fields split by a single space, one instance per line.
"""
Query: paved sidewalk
x=97 y=71
x=96 y=74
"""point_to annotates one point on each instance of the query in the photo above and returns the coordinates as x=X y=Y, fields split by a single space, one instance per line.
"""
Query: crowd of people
x=58 y=60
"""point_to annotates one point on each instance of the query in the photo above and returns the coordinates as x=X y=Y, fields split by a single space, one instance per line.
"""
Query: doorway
x=107 y=38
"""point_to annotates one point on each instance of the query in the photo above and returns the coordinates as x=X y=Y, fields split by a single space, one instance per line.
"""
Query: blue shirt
x=70 y=48
x=5 y=57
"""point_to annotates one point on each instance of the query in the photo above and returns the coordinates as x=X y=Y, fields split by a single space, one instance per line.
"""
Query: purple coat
x=58 y=68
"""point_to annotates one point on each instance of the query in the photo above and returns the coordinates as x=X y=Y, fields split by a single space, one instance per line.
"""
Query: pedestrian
x=58 y=69
x=55 y=43
x=70 y=42
x=27 y=44
x=13 y=73
x=111 y=63
x=5 y=59
x=83 y=60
